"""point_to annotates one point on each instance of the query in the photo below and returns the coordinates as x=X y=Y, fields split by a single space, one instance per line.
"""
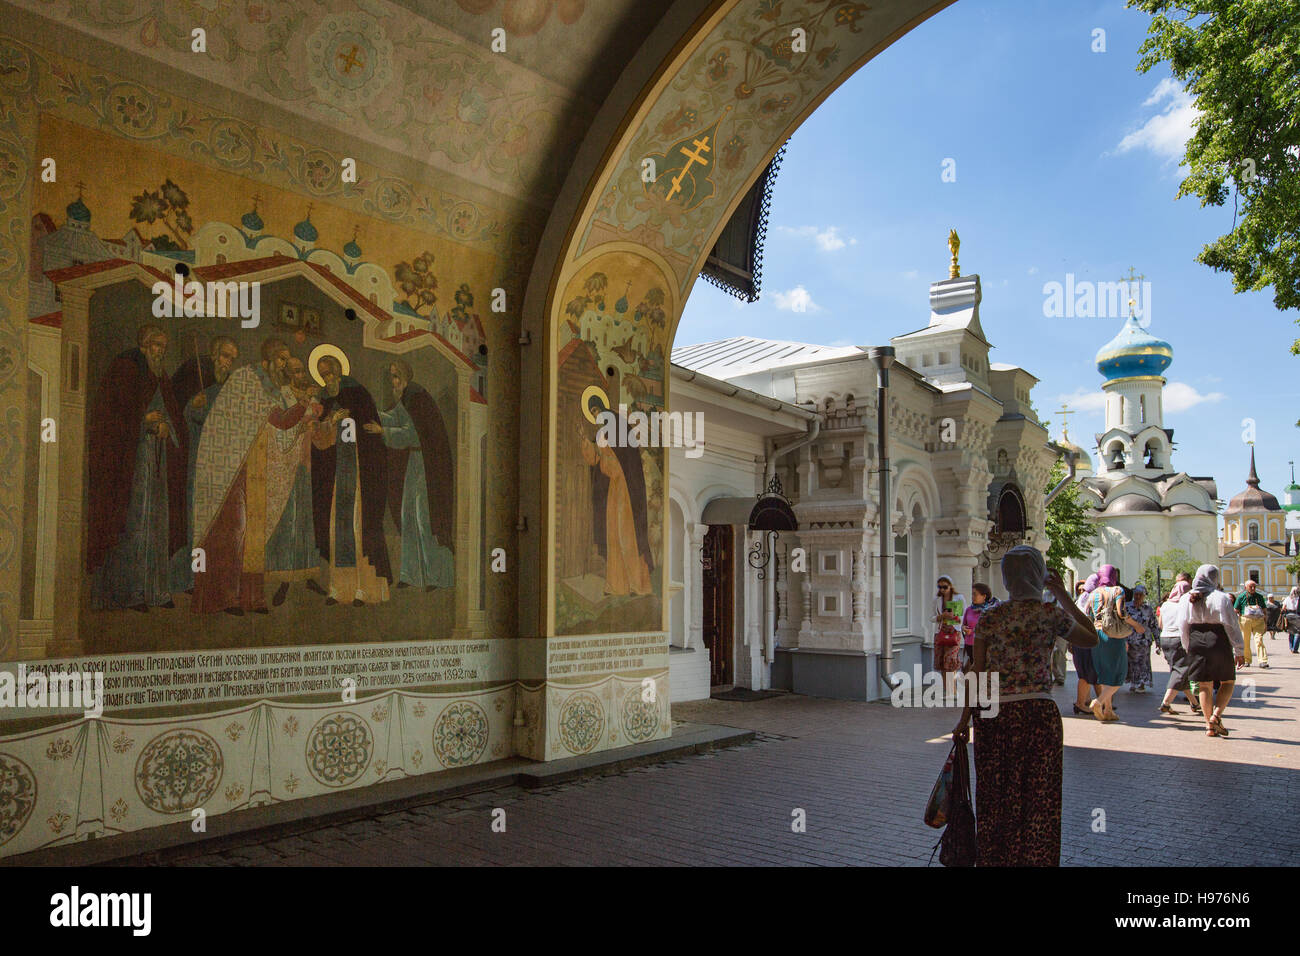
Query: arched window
x=1252 y=531
x=1142 y=408
x=1010 y=518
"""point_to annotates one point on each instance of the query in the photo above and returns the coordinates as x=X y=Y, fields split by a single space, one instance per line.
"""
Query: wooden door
x=719 y=602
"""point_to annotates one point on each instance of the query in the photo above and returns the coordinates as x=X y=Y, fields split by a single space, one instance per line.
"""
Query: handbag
x=957 y=845
x=936 y=808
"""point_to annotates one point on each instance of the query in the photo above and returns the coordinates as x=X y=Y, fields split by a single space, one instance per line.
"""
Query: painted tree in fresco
x=168 y=205
x=418 y=283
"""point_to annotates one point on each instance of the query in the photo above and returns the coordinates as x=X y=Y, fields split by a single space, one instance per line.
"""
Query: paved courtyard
x=861 y=774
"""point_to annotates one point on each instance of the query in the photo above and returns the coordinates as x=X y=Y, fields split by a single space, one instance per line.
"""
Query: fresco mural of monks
x=195 y=385
x=421 y=481
x=138 y=450
x=291 y=552
x=618 y=506
x=349 y=468
x=240 y=486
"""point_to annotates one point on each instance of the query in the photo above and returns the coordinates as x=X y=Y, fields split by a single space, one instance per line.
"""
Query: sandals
x=1097 y=711
x=1166 y=709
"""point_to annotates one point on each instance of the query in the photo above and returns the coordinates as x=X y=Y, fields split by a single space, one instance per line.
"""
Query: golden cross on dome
x=1065 y=414
x=954 y=243
x=1131 y=279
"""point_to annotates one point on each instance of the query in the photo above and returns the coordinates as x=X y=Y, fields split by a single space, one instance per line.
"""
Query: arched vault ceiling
x=417 y=78
x=743 y=86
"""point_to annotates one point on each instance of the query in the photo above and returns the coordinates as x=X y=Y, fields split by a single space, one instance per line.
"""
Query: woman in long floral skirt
x=1018 y=746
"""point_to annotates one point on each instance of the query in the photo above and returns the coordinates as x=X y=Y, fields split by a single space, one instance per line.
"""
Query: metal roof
x=742 y=354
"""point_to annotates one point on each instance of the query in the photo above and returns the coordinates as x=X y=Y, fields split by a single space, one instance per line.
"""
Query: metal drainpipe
x=769 y=597
x=883 y=357
x=1070 y=458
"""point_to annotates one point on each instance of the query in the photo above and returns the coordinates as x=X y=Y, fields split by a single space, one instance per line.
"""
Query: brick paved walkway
x=862 y=772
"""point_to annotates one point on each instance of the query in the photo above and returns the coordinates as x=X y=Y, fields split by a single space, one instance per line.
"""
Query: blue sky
x=1066 y=161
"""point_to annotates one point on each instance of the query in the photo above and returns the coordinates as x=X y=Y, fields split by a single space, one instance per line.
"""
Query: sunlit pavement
x=1150 y=790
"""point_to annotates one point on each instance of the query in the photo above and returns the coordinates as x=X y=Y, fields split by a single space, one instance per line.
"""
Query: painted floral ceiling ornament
x=351 y=59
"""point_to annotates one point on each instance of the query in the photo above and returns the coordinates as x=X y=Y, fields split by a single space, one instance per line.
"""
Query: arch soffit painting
x=735 y=77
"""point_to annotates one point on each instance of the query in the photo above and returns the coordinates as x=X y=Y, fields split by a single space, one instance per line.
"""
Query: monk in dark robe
x=618 y=511
x=138 y=449
x=349 y=475
x=421 y=482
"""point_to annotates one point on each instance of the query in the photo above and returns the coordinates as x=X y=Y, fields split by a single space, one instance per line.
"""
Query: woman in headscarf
x=1291 y=618
x=982 y=600
x=946 y=616
x=1083 y=665
x=1018 y=749
x=1212 y=639
x=1110 y=656
x=1171 y=646
x=1139 y=642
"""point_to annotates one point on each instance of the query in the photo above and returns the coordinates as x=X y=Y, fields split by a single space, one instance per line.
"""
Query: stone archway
x=671 y=158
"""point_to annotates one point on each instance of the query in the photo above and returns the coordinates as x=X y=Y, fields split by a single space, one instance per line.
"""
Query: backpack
x=1106 y=613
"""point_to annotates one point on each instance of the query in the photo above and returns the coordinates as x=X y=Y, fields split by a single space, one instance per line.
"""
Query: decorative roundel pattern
x=582 y=720
x=17 y=796
x=640 y=718
x=460 y=734
x=339 y=749
x=178 y=771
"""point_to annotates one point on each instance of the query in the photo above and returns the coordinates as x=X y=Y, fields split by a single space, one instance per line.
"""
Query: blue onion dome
x=77 y=211
x=252 y=221
x=1133 y=353
x=351 y=249
x=305 y=231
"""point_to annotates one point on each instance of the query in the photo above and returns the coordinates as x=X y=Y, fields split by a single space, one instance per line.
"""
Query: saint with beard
x=349 y=474
x=195 y=385
x=421 y=482
x=136 y=479
x=291 y=553
x=618 y=503
x=239 y=488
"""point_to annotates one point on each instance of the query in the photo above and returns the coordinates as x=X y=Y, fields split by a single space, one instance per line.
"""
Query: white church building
x=970 y=462
x=1141 y=505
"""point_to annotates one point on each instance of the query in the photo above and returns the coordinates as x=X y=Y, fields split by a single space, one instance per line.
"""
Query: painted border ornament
x=461 y=734
x=178 y=771
x=640 y=718
x=17 y=796
x=339 y=749
x=582 y=719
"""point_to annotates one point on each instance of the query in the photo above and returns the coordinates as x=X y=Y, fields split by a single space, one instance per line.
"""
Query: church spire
x=1253 y=480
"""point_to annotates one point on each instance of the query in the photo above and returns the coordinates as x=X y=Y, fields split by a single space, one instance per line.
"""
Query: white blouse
x=1215 y=607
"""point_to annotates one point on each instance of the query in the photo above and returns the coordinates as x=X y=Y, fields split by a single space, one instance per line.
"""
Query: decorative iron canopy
x=772 y=512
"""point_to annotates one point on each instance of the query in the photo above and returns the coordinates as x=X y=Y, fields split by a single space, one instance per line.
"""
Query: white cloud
x=911 y=274
x=1033 y=270
x=796 y=300
x=1179 y=397
x=1166 y=133
x=828 y=239
x=1082 y=400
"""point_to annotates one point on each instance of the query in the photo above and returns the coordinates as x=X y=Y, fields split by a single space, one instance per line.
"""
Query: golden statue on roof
x=954 y=244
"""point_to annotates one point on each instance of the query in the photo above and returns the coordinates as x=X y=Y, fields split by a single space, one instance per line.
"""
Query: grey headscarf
x=1206 y=579
x=1023 y=572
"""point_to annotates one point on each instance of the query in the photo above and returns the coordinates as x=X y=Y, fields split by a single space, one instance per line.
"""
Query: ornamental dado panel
x=108 y=776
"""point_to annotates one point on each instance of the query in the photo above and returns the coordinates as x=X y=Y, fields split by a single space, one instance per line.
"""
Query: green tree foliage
x=1293 y=568
x=1170 y=564
x=1240 y=60
x=1069 y=532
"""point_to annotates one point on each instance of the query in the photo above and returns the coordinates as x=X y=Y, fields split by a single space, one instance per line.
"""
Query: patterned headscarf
x=1206 y=580
x=1023 y=571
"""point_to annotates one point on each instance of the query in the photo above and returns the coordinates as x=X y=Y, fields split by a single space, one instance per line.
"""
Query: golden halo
x=586 y=401
x=320 y=352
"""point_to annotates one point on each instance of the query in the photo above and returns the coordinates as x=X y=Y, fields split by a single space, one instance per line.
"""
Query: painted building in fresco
x=971 y=463
x=369 y=534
